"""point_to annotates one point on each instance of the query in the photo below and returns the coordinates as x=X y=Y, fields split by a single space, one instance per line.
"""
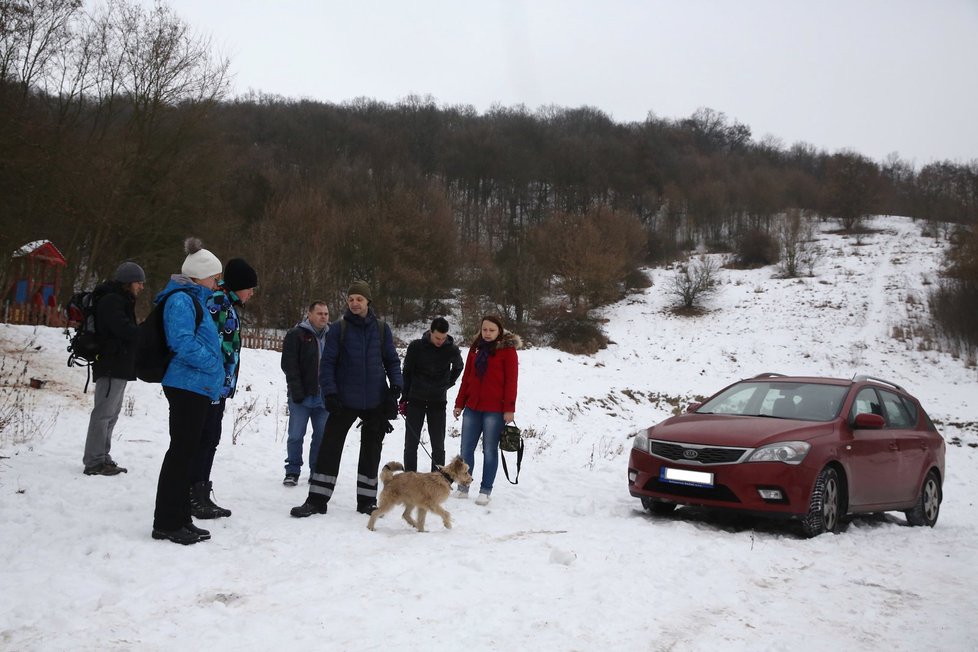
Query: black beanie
x=239 y=275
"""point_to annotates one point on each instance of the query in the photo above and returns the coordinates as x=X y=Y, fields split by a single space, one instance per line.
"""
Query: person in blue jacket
x=193 y=380
x=359 y=360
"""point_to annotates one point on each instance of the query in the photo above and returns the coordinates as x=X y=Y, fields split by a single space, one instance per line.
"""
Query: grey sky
x=876 y=76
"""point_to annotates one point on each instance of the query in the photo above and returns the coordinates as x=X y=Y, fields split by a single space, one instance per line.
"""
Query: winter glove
x=333 y=403
x=402 y=407
x=394 y=393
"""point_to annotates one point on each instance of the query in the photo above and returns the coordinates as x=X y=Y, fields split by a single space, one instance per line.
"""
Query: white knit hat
x=199 y=262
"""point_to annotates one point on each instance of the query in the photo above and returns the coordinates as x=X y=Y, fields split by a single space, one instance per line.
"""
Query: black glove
x=390 y=405
x=394 y=393
x=333 y=403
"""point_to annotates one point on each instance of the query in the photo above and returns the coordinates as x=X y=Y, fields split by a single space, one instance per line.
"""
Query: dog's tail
x=387 y=472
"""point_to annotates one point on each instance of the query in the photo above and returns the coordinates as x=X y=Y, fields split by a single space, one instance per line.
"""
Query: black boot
x=309 y=508
x=201 y=505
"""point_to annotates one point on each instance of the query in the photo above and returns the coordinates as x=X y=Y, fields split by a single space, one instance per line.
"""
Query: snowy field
x=566 y=560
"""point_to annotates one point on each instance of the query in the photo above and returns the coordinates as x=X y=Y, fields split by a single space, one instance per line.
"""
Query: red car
x=811 y=449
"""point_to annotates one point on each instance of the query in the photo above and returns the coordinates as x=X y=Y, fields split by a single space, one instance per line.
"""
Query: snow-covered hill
x=566 y=560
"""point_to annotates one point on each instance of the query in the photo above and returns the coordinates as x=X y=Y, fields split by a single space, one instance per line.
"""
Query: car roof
x=823 y=380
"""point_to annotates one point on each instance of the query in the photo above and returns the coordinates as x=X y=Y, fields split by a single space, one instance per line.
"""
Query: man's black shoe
x=182 y=536
x=103 y=469
x=366 y=509
x=308 y=509
x=204 y=535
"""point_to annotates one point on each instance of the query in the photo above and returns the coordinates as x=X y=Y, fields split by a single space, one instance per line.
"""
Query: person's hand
x=456 y=412
x=333 y=403
x=508 y=417
x=394 y=393
x=402 y=408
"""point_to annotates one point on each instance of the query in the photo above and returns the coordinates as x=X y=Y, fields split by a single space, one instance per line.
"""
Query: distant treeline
x=117 y=140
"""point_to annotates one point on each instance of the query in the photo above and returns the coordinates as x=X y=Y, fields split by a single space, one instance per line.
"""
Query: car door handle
x=894 y=446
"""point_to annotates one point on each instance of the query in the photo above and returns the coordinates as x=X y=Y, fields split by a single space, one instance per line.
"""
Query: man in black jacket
x=432 y=364
x=302 y=350
x=115 y=328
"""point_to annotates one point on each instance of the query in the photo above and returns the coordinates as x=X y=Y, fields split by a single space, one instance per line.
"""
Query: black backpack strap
x=519 y=463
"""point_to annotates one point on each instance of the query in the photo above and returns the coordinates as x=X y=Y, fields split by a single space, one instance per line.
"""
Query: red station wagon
x=811 y=449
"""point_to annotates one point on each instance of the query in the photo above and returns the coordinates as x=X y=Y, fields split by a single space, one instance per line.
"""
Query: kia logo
x=690 y=454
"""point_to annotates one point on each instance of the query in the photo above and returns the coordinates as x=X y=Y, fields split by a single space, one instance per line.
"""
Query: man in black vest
x=115 y=328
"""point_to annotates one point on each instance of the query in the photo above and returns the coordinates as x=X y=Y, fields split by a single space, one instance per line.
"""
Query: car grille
x=718 y=493
x=704 y=454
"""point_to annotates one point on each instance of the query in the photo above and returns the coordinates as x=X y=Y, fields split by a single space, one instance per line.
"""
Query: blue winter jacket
x=359 y=373
x=197 y=365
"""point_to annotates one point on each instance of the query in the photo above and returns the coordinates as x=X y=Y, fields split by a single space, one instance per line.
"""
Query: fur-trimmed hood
x=510 y=340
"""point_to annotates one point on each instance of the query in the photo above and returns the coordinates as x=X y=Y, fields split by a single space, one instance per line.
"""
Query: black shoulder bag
x=511 y=441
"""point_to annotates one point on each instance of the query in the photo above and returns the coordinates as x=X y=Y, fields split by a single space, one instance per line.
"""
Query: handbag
x=511 y=441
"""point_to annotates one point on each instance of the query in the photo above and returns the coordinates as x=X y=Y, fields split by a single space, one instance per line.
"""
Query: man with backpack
x=116 y=334
x=359 y=359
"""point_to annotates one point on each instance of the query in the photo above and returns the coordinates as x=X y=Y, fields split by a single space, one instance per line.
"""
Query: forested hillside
x=119 y=140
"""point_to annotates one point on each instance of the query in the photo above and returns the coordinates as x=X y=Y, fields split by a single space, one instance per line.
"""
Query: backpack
x=153 y=354
x=83 y=346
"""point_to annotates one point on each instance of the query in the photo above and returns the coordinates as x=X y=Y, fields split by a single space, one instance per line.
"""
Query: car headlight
x=641 y=442
x=789 y=452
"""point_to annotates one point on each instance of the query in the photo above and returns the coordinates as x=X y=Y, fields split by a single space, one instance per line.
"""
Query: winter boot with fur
x=201 y=505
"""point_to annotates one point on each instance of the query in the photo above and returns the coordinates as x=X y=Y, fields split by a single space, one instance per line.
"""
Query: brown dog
x=426 y=491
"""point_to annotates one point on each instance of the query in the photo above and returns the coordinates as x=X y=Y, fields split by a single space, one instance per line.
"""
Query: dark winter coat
x=115 y=327
x=300 y=360
x=496 y=390
x=358 y=371
x=430 y=370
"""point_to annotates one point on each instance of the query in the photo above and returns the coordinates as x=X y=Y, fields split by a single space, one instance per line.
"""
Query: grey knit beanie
x=129 y=272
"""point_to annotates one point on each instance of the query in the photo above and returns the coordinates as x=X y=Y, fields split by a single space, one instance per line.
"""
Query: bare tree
x=695 y=279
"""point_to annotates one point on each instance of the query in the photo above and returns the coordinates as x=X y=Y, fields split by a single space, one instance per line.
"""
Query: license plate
x=682 y=476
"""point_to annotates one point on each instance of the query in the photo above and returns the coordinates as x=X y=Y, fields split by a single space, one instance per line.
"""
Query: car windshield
x=780 y=400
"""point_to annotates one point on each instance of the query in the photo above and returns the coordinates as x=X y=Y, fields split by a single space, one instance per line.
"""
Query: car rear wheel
x=657 y=507
x=928 y=506
x=825 y=505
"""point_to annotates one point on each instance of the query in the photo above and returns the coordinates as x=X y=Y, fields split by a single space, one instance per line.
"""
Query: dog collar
x=447 y=477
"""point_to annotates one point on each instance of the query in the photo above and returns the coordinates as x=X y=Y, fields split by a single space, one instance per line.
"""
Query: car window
x=867 y=402
x=783 y=400
x=896 y=410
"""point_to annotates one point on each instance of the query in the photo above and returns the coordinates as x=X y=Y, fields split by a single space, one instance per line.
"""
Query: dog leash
x=423 y=447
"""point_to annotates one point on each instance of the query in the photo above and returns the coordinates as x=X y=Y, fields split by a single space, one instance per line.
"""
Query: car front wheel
x=657 y=507
x=928 y=506
x=825 y=505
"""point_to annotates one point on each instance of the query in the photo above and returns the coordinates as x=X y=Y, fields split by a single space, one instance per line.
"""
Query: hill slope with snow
x=566 y=560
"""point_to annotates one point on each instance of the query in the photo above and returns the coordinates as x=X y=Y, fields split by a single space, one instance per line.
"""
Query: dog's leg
x=422 y=512
x=407 y=515
x=377 y=513
x=446 y=518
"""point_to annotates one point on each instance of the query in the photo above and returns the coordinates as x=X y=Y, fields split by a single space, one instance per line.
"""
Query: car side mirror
x=692 y=407
x=869 y=421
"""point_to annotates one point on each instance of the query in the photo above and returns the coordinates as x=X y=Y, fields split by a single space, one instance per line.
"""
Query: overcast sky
x=875 y=76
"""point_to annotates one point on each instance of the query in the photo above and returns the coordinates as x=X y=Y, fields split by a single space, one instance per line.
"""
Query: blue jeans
x=489 y=426
x=311 y=409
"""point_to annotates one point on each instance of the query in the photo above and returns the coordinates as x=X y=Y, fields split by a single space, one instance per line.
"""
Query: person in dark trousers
x=193 y=380
x=359 y=360
x=302 y=349
x=115 y=328
x=224 y=305
x=432 y=364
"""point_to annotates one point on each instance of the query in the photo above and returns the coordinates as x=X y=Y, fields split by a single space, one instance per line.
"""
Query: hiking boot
x=365 y=508
x=308 y=509
x=103 y=469
x=483 y=499
x=111 y=462
x=183 y=536
x=291 y=479
x=201 y=505
x=204 y=535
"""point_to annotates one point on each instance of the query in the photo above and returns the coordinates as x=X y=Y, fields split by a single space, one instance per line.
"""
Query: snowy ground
x=566 y=560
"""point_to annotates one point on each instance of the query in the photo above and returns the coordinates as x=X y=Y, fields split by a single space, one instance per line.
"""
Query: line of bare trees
x=117 y=140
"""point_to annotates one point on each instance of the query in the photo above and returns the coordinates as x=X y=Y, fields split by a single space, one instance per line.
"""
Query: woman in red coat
x=487 y=399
